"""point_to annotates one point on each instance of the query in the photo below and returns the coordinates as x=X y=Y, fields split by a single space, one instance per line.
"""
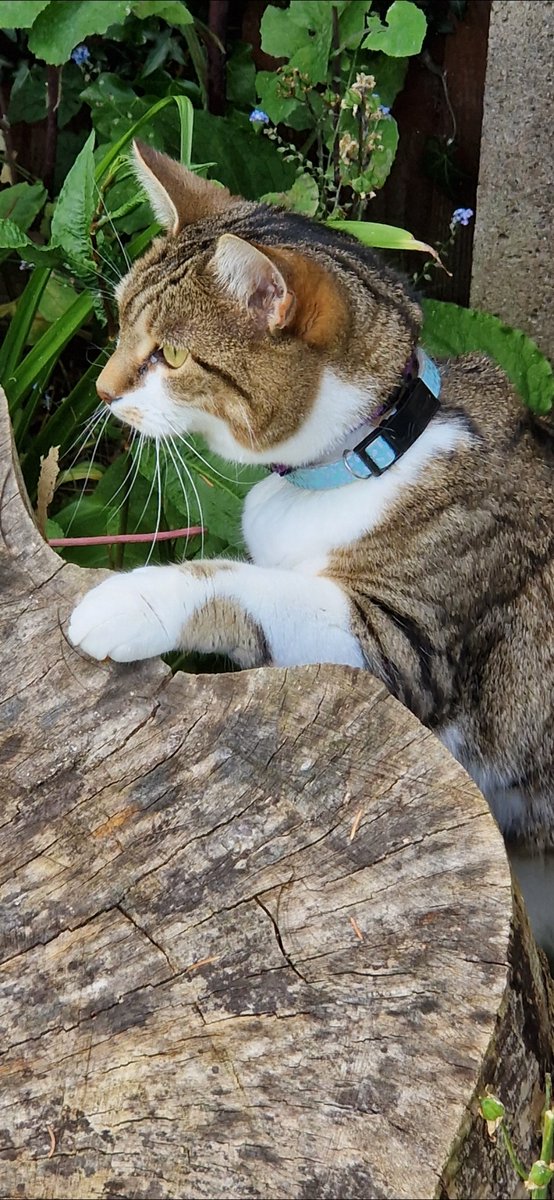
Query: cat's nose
x=105 y=395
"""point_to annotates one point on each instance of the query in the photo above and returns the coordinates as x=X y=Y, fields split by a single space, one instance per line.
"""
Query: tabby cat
x=427 y=560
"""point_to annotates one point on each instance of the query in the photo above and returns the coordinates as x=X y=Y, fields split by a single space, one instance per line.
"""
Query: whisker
x=159 y=511
x=83 y=437
x=112 y=223
x=146 y=503
x=167 y=446
x=195 y=490
x=122 y=485
x=90 y=466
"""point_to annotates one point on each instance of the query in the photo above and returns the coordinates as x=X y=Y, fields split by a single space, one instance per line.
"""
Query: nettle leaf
x=74 y=211
x=403 y=33
x=22 y=202
x=450 y=331
x=171 y=11
x=60 y=26
x=20 y=14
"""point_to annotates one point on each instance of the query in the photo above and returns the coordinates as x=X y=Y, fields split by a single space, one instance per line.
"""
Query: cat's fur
x=438 y=576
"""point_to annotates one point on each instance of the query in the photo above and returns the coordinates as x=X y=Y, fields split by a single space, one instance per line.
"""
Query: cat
x=423 y=554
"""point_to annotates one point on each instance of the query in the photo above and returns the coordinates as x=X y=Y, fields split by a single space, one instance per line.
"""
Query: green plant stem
x=518 y=1167
x=547 y=1148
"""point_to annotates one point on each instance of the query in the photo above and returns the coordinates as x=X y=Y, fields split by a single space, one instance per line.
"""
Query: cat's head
x=269 y=334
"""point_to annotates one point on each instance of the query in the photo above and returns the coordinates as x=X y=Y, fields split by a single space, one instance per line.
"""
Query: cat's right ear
x=178 y=196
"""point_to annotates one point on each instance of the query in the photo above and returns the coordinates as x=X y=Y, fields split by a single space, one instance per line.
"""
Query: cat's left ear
x=178 y=196
x=250 y=275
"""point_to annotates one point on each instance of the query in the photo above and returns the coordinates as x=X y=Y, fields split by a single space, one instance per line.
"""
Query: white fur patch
x=339 y=407
x=150 y=407
x=286 y=526
x=144 y=613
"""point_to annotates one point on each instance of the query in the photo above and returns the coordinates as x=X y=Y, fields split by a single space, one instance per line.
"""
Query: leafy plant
x=450 y=331
x=342 y=72
x=537 y=1179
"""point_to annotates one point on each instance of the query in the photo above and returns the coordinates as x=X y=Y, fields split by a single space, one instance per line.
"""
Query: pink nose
x=106 y=396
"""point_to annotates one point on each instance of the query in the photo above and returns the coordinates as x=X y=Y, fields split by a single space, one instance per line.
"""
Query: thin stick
x=161 y=536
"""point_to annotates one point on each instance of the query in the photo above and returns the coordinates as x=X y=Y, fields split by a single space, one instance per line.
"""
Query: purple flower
x=80 y=55
x=384 y=110
x=258 y=114
x=461 y=216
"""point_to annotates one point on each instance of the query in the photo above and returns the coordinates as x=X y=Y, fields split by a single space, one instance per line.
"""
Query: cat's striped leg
x=256 y=615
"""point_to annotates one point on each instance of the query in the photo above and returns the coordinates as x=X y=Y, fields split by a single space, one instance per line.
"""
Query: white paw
x=129 y=617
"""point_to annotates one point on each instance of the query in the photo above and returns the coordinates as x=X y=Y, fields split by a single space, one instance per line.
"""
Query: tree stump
x=256 y=929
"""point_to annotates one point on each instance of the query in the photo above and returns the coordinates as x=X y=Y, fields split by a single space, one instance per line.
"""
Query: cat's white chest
x=297 y=529
x=293 y=528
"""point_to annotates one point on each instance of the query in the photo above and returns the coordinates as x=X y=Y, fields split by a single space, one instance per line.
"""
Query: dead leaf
x=46 y=486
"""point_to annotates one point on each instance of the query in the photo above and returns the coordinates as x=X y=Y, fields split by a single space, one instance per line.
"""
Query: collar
x=403 y=418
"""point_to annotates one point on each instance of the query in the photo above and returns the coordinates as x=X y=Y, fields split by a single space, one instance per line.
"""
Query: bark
x=256 y=929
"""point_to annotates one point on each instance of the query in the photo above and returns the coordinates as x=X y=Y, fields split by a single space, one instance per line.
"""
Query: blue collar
x=404 y=418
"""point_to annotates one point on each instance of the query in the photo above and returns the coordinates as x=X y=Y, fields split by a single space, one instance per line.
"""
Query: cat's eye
x=174 y=356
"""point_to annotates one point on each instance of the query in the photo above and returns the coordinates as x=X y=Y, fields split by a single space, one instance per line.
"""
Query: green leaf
x=20 y=324
x=22 y=202
x=75 y=209
x=12 y=236
x=450 y=331
x=389 y=73
x=171 y=11
x=382 y=237
x=302 y=33
x=241 y=77
x=280 y=108
x=65 y=23
x=403 y=33
x=186 y=127
x=43 y=355
x=302 y=197
x=247 y=164
x=28 y=98
x=280 y=35
x=352 y=23
x=20 y=14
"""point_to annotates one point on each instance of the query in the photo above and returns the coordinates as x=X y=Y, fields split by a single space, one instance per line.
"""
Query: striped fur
x=450 y=590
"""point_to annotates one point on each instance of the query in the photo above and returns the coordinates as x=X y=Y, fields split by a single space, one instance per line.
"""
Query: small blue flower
x=461 y=216
x=258 y=114
x=80 y=55
x=384 y=110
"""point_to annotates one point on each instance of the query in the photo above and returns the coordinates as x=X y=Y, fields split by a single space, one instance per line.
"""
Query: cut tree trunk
x=256 y=929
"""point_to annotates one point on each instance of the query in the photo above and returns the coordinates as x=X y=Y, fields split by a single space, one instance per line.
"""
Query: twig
x=52 y=1141
x=356 y=928
x=162 y=536
x=356 y=823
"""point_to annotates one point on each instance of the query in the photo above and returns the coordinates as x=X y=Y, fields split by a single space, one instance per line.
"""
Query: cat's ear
x=178 y=196
x=254 y=280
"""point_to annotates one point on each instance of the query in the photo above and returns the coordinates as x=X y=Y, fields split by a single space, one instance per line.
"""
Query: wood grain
x=209 y=987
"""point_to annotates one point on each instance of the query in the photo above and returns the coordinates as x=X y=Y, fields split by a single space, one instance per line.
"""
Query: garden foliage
x=315 y=135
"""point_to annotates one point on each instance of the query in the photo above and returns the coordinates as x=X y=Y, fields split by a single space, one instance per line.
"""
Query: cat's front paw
x=130 y=617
